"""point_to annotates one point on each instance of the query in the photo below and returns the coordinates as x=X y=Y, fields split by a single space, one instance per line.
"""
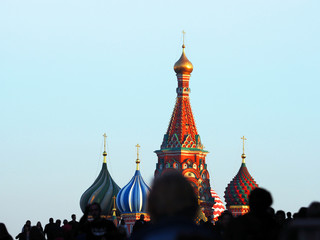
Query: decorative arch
x=193 y=171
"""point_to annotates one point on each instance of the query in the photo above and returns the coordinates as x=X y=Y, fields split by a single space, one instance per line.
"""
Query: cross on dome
x=104 y=148
x=183 y=65
x=243 y=156
x=138 y=160
x=183 y=34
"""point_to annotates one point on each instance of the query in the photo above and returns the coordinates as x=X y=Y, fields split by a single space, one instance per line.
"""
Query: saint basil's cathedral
x=182 y=150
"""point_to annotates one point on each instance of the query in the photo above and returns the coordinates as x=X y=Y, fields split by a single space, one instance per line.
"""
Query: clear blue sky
x=72 y=70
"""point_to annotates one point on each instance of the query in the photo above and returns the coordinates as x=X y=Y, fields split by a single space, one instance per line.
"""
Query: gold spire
x=114 y=206
x=104 y=154
x=138 y=160
x=183 y=65
x=243 y=156
x=183 y=33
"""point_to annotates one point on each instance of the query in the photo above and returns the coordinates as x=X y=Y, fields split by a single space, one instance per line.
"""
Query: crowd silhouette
x=173 y=206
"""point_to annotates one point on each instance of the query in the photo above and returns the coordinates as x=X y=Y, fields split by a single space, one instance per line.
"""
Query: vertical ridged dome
x=238 y=190
x=101 y=191
x=218 y=206
x=132 y=198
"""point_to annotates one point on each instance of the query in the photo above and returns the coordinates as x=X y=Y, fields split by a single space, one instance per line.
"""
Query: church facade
x=181 y=150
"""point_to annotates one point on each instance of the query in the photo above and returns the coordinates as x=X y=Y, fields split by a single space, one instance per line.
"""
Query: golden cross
x=137 y=146
x=183 y=34
x=105 y=139
x=243 y=138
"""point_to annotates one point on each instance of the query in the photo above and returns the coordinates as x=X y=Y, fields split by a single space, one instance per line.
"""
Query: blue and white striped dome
x=132 y=198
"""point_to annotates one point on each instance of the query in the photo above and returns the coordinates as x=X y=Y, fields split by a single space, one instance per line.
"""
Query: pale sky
x=72 y=70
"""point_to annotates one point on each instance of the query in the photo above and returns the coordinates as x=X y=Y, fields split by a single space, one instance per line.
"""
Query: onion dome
x=183 y=65
x=238 y=190
x=218 y=206
x=132 y=198
x=102 y=190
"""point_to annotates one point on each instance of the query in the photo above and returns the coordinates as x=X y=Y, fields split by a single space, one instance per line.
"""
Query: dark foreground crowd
x=173 y=206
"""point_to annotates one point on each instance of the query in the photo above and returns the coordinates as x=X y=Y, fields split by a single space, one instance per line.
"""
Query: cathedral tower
x=181 y=148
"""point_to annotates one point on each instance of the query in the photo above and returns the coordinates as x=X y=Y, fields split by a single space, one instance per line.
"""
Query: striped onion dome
x=238 y=190
x=218 y=206
x=132 y=198
x=101 y=191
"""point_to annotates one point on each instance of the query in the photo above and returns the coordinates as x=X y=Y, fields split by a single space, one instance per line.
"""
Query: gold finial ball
x=243 y=156
x=183 y=65
x=104 y=153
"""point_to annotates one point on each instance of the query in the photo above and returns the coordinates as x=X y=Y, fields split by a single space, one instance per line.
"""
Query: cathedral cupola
x=183 y=65
x=238 y=190
x=102 y=190
x=132 y=198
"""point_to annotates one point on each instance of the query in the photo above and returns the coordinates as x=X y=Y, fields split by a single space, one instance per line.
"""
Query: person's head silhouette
x=259 y=200
x=172 y=196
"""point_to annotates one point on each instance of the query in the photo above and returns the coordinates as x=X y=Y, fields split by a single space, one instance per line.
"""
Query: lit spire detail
x=183 y=34
x=243 y=156
x=114 y=206
x=138 y=160
x=104 y=154
x=183 y=65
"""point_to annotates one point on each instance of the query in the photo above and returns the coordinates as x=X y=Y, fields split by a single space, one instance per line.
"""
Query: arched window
x=189 y=174
x=175 y=165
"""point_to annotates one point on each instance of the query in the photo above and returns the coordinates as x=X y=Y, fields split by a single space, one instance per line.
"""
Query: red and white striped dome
x=218 y=207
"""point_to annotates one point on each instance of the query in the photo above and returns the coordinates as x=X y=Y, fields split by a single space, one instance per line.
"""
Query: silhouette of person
x=314 y=210
x=25 y=234
x=95 y=227
x=74 y=225
x=28 y=224
x=173 y=205
x=66 y=230
x=223 y=223
x=258 y=223
x=280 y=218
x=35 y=234
x=58 y=232
x=139 y=224
x=4 y=234
x=123 y=229
x=50 y=229
x=302 y=213
x=39 y=226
